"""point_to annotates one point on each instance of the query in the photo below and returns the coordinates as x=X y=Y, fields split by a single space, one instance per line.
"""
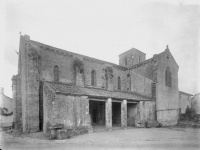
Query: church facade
x=55 y=86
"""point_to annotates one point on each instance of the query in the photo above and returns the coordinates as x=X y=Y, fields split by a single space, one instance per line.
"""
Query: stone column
x=14 y=95
x=109 y=114
x=124 y=114
x=86 y=117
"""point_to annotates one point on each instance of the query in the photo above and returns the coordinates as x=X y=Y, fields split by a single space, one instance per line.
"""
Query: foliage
x=78 y=64
x=189 y=115
x=3 y=112
x=109 y=71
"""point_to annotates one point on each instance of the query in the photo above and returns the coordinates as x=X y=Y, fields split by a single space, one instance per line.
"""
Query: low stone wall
x=70 y=111
x=167 y=117
x=68 y=132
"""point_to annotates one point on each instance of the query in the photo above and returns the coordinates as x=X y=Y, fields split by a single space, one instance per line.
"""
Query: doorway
x=116 y=113
x=97 y=112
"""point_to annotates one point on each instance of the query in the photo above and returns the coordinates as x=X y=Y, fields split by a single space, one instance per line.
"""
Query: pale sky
x=103 y=29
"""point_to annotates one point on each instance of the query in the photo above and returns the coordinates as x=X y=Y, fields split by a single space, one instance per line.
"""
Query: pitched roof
x=70 y=89
x=185 y=93
x=131 y=50
x=48 y=47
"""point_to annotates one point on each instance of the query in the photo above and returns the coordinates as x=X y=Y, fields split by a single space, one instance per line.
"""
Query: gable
x=171 y=56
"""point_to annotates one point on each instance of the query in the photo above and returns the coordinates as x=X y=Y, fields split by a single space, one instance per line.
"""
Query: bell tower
x=131 y=57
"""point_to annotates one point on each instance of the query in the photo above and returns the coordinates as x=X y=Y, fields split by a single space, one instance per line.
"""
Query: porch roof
x=71 y=89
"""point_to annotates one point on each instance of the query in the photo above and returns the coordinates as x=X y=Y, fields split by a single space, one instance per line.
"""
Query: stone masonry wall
x=48 y=100
x=33 y=62
x=51 y=56
x=141 y=85
x=131 y=114
x=37 y=61
x=184 y=102
x=133 y=56
x=50 y=59
x=29 y=71
x=146 y=111
x=17 y=102
x=147 y=68
x=195 y=104
x=72 y=111
x=167 y=97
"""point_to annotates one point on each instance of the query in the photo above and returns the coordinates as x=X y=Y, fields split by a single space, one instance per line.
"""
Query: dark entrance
x=97 y=112
x=41 y=106
x=116 y=113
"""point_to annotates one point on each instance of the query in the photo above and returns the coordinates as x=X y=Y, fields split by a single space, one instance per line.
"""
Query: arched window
x=56 y=73
x=93 y=77
x=168 y=78
x=119 y=83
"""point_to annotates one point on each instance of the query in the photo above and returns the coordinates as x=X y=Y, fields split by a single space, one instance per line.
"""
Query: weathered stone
x=109 y=114
x=124 y=114
x=152 y=124
x=35 y=103
x=63 y=134
x=53 y=134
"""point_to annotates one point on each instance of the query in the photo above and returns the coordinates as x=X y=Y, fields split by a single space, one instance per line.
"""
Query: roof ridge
x=84 y=56
x=92 y=88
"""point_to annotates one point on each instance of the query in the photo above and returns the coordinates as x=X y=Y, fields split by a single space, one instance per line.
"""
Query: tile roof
x=71 y=89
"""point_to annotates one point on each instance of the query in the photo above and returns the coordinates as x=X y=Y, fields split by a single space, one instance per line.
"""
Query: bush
x=189 y=115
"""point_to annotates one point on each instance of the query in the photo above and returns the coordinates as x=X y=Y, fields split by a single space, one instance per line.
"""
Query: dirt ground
x=133 y=138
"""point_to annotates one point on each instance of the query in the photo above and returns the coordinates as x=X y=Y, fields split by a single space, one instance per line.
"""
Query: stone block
x=63 y=134
x=53 y=134
x=152 y=124
x=131 y=121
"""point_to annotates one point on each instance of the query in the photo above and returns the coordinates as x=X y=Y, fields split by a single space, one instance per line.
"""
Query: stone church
x=55 y=86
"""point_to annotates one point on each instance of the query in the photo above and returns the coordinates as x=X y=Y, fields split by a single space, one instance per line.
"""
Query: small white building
x=184 y=101
x=6 y=108
x=195 y=104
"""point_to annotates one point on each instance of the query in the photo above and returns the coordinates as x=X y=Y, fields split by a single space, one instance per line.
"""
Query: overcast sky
x=103 y=29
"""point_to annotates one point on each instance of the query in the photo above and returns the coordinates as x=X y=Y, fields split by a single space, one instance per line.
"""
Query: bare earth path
x=154 y=138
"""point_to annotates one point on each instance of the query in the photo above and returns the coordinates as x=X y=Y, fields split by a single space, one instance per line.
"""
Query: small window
x=139 y=59
x=56 y=73
x=168 y=78
x=93 y=77
x=119 y=83
x=126 y=61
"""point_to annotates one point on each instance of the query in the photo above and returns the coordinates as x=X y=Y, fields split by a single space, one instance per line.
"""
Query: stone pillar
x=87 y=120
x=109 y=114
x=14 y=96
x=86 y=116
x=124 y=114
